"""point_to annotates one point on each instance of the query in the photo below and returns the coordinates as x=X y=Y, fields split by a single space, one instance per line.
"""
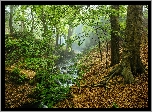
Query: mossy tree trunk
x=131 y=64
x=133 y=38
x=114 y=19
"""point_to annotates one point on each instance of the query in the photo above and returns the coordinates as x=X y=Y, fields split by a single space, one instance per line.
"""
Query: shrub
x=16 y=71
x=48 y=90
x=17 y=77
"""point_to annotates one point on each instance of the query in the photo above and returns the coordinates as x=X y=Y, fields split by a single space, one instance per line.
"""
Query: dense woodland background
x=76 y=56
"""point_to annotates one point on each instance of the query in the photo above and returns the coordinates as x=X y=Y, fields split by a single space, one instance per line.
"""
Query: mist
x=84 y=39
x=79 y=38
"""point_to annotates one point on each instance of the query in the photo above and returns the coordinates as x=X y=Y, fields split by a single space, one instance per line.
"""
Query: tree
x=131 y=64
x=11 y=20
x=70 y=31
x=133 y=38
x=32 y=27
x=114 y=19
x=43 y=19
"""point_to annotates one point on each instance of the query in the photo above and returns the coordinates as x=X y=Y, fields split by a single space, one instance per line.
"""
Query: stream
x=66 y=67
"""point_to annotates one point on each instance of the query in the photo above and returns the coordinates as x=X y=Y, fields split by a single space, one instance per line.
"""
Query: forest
x=76 y=56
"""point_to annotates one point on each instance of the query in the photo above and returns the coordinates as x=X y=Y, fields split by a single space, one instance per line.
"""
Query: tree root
x=123 y=69
x=116 y=70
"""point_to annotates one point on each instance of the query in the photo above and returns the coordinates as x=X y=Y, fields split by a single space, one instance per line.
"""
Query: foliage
x=117 y=94
x=115 y=105
x=145 y=12
x=17 y=77
x=16 y=71
x=35 y=63
x=33 y=42
x=49 y=90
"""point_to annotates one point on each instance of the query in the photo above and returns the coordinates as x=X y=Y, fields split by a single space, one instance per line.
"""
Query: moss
x=128 y=76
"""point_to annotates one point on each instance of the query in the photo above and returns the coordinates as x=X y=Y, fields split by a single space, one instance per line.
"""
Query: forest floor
x=125 y=96
x=17 y=94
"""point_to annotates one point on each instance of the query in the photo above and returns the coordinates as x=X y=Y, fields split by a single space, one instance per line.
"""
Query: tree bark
x=60 y=40
x=114 y=19
x=22 y=26
x=43 y=19
x=57 y=36
x=131 y=64
x=133 y=39
x=70 y=30
x=11 y=20
x=32 y=27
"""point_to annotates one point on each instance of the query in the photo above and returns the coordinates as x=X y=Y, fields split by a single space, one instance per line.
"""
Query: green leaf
x=115 y=105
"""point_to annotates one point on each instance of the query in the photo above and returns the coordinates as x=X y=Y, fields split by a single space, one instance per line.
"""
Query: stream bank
x=67 y=72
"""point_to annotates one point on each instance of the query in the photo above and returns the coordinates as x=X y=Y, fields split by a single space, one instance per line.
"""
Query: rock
x=43 y=106
x=64 y=71
x=69 y=81
x=64 y=68
x=58 y=82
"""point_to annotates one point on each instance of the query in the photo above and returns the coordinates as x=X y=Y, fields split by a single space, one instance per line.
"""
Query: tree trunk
x=57 y=36
x=134 y=32
x=60 y=39
x=70 y=30
x=131 y=64
x=11 y=20
x=32 y=27
x=22 y=26
x=114 y=19
x=43 y=19
x=131 y=61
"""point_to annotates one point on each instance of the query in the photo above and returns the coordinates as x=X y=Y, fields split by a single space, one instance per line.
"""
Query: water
x=68 y=68
x=34 y=105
